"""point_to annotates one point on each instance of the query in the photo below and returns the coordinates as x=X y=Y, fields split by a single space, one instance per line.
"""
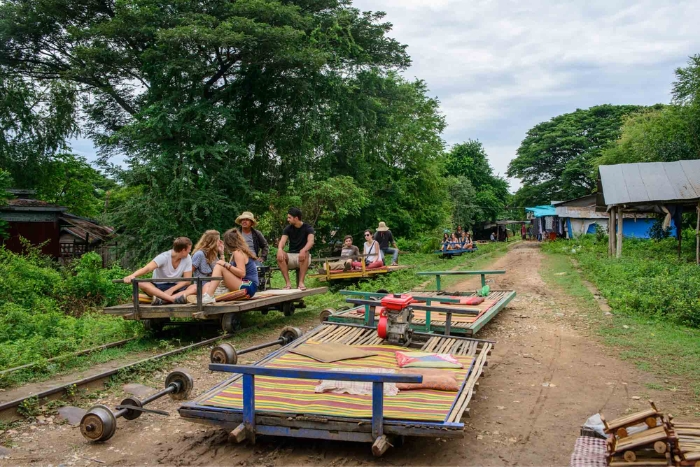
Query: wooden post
x=610 y=223
x=620 y=217
x=611 y=230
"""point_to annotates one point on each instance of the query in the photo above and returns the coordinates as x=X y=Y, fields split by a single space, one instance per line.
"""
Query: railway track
x=9 y=410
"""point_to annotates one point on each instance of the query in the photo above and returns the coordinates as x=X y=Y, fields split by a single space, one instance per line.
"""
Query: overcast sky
x=500 y=67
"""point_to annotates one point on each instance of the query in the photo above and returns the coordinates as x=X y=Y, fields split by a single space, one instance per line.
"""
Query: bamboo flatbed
x=275 y=396
x=450 y=253
x=364 y=273
x=267 y=299
x=461 y=323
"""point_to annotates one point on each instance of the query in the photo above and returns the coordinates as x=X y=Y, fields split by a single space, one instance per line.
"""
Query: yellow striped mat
x=297 y=396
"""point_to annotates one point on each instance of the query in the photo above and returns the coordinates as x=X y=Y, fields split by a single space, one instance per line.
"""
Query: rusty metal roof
x=650 y=182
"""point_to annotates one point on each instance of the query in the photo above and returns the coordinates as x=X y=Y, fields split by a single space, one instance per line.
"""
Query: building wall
x=36 y=233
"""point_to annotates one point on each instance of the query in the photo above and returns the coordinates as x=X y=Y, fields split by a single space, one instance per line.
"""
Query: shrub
x=648 y=280
x=47 y=310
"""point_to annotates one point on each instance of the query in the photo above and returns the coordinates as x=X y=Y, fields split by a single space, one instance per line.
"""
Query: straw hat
x=246 y=215
x=382 y=227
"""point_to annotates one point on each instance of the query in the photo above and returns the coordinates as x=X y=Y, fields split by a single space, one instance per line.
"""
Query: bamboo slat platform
x=284 y=404
x=261 y=301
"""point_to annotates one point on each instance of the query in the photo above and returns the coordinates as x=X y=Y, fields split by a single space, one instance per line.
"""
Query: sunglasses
x=368 y=235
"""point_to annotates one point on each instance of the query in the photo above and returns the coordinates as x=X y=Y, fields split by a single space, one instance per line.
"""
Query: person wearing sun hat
x=385 y=238
x=254 y=238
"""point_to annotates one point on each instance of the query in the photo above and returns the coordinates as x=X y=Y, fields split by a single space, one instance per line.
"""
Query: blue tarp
x=637 y=228
x=542 y=211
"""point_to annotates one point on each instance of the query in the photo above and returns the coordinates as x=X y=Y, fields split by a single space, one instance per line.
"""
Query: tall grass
x=649 y=280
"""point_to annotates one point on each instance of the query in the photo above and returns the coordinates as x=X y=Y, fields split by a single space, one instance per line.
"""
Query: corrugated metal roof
x=650 y=182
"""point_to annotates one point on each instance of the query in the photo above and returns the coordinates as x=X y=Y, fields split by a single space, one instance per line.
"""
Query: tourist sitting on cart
x=385 y=238
x=254 y=238
x=241 y=273
x=301 y=240
x=373 y=254
x=445 y=241
x=173 y=264
x=208 y=250
x=348 y=254
x=455 y=243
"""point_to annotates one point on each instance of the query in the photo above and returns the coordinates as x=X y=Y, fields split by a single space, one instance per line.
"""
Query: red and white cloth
x=589 y=452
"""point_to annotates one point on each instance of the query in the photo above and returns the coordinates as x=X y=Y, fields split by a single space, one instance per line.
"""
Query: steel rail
x=64 y=388
x=74 y=354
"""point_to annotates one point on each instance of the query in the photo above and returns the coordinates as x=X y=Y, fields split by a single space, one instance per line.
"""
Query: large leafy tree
x=663 y=133
x=35 y=121
x=469 y=162
x=555 y=160
x=216 y=104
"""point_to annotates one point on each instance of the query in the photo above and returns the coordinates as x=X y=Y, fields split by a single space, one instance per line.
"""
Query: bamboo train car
x=276 y=395
x=441 y=312
x=449 y=254
x=227 y=309
x=330 y=275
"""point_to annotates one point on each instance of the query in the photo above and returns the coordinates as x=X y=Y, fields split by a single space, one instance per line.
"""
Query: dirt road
x=545 y=378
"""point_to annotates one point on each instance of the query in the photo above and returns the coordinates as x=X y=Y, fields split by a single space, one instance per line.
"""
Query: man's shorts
x=164 y=286
x=293 y=260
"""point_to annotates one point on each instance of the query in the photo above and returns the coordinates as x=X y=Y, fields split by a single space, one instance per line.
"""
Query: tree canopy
x=222 y=106
x=469 y=163
x=555 y=160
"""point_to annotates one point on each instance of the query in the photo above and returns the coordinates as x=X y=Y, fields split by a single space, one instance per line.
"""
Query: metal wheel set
x=100 y=422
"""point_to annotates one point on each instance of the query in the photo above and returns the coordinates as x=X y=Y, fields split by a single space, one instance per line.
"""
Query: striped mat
x=297 y=396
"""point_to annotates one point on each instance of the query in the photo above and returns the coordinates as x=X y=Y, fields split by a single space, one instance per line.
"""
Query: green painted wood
x=490 y=313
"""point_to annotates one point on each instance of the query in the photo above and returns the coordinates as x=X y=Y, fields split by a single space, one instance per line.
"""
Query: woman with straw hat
x=254 y=238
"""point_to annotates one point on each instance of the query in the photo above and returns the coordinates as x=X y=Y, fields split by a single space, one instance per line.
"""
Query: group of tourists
x=246 y=247
x=457 y=240
x=376 y=248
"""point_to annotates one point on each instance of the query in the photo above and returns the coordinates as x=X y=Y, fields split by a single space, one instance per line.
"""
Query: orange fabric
x=440 y=380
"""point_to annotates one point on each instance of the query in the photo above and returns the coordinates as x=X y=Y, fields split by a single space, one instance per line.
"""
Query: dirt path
x=545 y=378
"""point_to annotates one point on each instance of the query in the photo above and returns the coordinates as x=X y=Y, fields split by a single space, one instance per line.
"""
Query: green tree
x=663 y=133
x=470 y=161
x=660 y=134
x=35 y=120
x=555 y=160
x=216 y=105
x=462 y=194
x=68 y=180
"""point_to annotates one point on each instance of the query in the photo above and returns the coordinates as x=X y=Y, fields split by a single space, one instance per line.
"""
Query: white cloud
x=500 y=67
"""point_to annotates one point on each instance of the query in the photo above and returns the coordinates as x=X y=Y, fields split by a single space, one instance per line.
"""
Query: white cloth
x=373 y=252
x=165 y=269
x=356 y=387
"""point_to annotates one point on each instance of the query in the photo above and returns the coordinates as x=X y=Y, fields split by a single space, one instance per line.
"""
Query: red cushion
x=471 y=300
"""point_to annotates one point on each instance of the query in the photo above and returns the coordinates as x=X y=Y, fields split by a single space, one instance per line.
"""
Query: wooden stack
x=658 y=440
x=686 y=443
x=649 y=447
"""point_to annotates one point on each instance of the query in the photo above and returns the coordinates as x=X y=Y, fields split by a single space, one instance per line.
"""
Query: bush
x=47 y=310
x=648 y=280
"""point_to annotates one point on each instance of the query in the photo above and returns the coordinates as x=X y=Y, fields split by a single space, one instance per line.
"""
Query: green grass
x=660 y=346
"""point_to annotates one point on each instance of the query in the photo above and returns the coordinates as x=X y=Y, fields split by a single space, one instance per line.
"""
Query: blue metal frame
x=249 y=373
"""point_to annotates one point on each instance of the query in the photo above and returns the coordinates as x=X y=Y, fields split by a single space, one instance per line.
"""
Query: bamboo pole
x=619 y=232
